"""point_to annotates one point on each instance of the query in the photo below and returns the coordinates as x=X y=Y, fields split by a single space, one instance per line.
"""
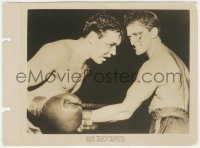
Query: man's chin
x=139 y=51
x=139 y=54
x=98 y=62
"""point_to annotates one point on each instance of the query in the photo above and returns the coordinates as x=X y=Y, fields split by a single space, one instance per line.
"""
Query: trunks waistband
x=169 y=111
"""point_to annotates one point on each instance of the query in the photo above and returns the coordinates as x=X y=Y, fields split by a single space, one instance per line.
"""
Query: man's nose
x=113 y=51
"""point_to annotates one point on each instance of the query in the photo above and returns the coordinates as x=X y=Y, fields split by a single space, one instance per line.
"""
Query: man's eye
x=110 y=45
x=135 y=34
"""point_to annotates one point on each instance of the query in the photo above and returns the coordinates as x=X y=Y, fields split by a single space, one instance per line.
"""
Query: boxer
x=101 y=35
x=169 y=107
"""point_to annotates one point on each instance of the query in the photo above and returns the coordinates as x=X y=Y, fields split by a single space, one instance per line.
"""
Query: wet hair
x=145 y=17
x=100 y=23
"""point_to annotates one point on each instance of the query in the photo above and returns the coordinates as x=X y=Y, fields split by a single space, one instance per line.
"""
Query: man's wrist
x=87 y=117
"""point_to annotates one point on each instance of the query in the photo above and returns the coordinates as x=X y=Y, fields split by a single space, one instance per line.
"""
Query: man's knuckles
x=64 y=112
x=70 y=98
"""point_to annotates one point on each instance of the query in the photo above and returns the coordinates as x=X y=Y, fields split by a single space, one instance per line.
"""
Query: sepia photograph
x=106 y=74
x=108 y=71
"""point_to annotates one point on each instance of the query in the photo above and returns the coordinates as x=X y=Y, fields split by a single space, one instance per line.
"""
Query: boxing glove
x=59 y=114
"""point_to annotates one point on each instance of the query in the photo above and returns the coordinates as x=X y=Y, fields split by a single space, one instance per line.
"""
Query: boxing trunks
x=169 y=120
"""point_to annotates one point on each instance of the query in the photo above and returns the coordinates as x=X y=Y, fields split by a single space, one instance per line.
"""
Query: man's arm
x=137 y=93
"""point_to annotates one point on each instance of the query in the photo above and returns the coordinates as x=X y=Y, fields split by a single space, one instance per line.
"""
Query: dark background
x=46 y=26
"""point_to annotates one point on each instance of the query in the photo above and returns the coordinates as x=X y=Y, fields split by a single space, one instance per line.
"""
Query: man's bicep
x=141 y=89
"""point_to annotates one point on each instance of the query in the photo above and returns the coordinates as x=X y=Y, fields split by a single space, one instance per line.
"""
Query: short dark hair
x=145 y=17
x=100 y=23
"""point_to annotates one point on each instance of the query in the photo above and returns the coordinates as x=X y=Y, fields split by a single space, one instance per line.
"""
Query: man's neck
x=155 y=48
x=81 y=50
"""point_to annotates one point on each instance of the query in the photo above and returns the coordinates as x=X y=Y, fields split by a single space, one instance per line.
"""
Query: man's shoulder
x=153 y=66
x=149 y=64
x=164 y=63
x=147 y=67
x=59 y=47
x=59 y=44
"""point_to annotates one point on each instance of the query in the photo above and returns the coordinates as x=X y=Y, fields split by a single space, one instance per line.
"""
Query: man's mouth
x=103 y=59
x=137 y=47
x=107 y=55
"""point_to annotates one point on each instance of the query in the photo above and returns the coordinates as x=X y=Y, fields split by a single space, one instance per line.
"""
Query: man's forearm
x=111 y=113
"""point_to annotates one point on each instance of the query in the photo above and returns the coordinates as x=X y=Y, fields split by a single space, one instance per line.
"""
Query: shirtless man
x=51 y=64
x=164 y=75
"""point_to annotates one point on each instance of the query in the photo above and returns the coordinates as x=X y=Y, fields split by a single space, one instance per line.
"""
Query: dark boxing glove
x=60 y=114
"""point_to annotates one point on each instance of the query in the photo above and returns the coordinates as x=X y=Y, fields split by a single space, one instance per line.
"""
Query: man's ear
x=92 y=36
x=154 y=32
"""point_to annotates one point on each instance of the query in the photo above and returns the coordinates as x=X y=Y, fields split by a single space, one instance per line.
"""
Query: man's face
x=140 y=37
x=105 y=47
